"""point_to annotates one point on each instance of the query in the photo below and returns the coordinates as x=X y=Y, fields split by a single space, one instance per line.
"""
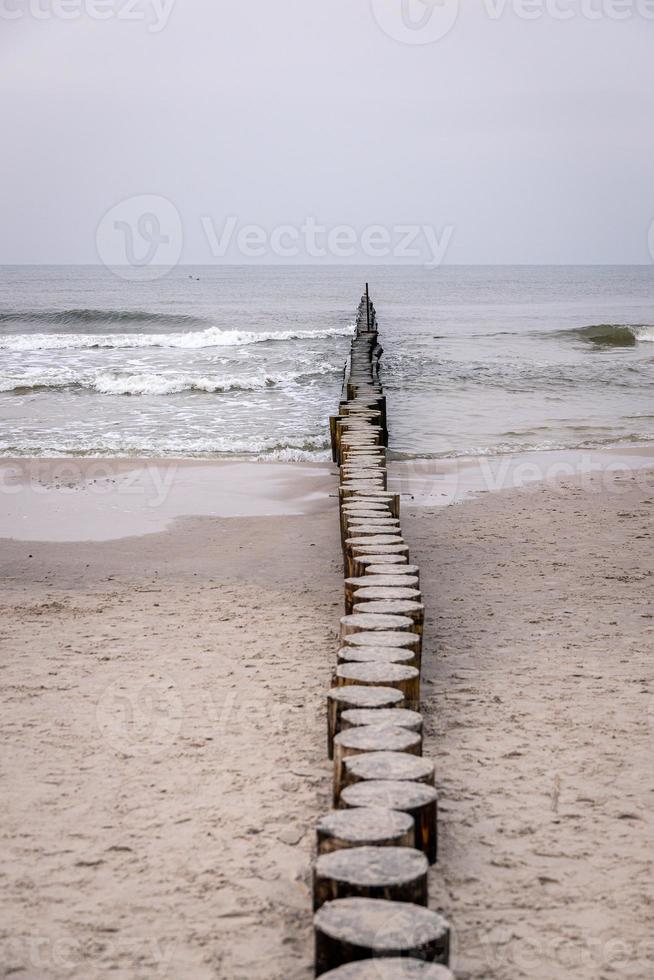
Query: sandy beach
x=326 y=389
x=163 y=729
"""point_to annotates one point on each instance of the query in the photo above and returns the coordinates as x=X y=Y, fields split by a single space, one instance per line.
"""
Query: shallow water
x=245 y=361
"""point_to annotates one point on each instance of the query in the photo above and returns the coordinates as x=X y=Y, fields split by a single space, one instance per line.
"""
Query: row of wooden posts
x=372 y=920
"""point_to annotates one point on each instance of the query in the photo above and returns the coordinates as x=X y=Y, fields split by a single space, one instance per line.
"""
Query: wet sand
x=84 y=499
x=163 y=734
x=105 y=499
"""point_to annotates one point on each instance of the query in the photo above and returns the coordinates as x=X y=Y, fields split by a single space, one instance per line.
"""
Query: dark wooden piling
x=398 y=874
x=396 y=766
x=365 y=827
x=354 y=585
x=420 y=800
x=370 y=879
x=380 y=674
x=390 y=968
x=341 y=699
x=368 y=622
x=405 y=717
x=371 y=738
x=384 y=638
x=405 y=608
x=351 y=929
x=384 y=655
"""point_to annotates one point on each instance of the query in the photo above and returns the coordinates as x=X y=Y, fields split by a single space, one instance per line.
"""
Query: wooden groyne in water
x=375 y=847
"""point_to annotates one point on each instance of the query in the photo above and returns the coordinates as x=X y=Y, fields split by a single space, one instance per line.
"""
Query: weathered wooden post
x=384 y=655
x=404 y=717
x=340 y=699
x=373 y=738
x=384 y=638
x=395 y=873
x=420 y=800
x=365 y=826
x=352 y=929
x=396 y=766
x=377 y=673
x=370 y=877
x=390 y=968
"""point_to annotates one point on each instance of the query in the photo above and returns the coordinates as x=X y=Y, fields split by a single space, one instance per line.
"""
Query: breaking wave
x=188 y=340
x=62 y=318
x=615 y=334
x=153 y=383
x=157 y=446
x=157 y=384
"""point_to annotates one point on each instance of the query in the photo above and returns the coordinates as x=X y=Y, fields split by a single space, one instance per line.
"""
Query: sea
x=246 y=362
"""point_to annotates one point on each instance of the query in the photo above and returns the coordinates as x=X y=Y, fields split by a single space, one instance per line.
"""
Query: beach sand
x=163 y=734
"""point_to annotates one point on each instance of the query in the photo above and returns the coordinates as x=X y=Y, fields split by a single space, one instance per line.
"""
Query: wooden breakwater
x=370 y=889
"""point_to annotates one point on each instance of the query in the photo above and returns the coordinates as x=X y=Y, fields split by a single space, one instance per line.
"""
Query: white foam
x=292 y=455
x=159 y=384
x=121 y=446
x=189 y=340
x=153 y=382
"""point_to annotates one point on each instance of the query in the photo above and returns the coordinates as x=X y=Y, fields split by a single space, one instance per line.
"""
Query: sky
x=493 y=131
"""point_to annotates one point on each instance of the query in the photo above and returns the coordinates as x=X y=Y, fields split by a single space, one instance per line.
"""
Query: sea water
x=247 y=362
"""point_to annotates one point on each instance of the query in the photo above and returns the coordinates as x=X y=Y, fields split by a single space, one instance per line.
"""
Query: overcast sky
x=513 y=140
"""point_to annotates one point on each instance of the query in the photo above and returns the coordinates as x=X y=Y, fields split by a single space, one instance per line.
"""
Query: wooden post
x=387 y=567
x=352 y=929
x=403 y=608
x=354 y=586
x=340 y=699
x=405 y=717
x=364 y=827
x=360 y=527
x=390 y=968
x=379 y=674
x=367 y=622
x=418 y=799
x=370 y=878
x=380 y=593
x=360 y=564
x=396 y=638
x=397 y=766
x=384 y=655
x=361 y=550
x=373 y=738
x=398 y=874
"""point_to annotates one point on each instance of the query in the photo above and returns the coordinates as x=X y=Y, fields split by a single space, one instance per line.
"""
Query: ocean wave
x=614 y=334
x=502 y=449
x=553 y=379
x=118 y=446
x=91 y=316
x=154 y=383
x=157 y=384
x=188 y=340
x=310 y=453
